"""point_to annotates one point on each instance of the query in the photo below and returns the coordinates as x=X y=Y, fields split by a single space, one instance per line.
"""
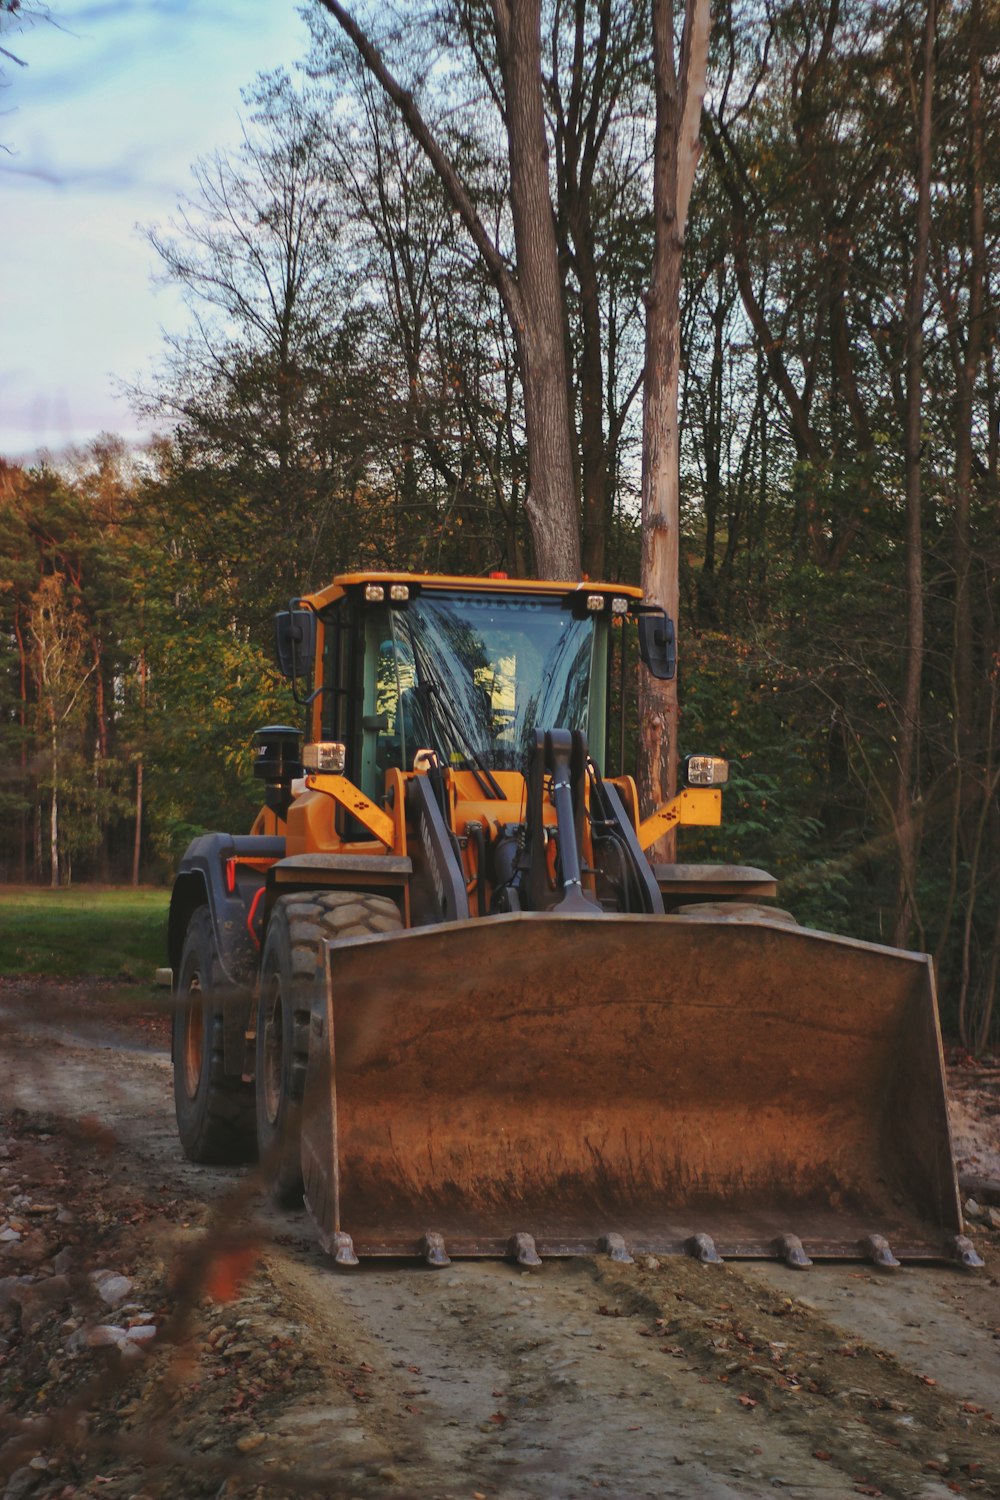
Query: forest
x=347 y=393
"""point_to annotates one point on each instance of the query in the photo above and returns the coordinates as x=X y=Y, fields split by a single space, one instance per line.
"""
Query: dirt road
x=217 y=1353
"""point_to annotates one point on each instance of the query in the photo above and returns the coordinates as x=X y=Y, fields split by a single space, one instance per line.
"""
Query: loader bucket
x=656 y=1078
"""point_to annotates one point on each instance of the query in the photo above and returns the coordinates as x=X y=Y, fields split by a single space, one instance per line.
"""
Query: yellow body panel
x=698 y=806
x=344 y=792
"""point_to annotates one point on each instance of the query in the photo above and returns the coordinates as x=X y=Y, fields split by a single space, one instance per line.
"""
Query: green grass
x=110 y=932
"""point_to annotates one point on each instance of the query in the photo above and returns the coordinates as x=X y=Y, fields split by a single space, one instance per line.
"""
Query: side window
x=388 y=748
x=381 y=741
x=336 y=673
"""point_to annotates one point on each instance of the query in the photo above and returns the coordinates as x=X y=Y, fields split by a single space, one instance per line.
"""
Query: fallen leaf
x=498 y=1418
x=229 y=1271
x=96 y=1133
x=746 y=1400
x=822 y=1455
x=927 y=1379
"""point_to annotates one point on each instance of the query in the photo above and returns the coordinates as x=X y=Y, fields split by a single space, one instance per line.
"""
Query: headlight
x=705 y=770
x=324 y=755
x=374 y=593
x=595 y=602
x=619 y=606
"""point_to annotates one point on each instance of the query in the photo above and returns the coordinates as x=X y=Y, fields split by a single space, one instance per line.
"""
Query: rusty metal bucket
x=654 y=1078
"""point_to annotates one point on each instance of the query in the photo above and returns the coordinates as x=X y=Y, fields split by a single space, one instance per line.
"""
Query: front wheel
x=291 y=980
x=215 y=1112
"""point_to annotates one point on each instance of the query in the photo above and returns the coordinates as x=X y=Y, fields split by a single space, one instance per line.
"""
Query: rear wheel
x=291 y=982
x=737 y=911
x=215 y=1112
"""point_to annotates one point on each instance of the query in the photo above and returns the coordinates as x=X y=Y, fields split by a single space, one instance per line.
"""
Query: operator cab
x=468 y=669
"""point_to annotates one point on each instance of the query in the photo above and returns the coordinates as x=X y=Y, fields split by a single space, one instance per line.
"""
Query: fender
x=201 y=880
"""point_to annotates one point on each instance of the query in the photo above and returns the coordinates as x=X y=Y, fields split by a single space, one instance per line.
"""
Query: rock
x=103 y=1336
x=20 y=1483
x=38 y=1298
x=971 y=1209
x=62 y=1262
x=9 y=1286
x=251 y=1442
x=110 y=1287
x=141 y=1334
x=30 y=1252
x=9 y=1236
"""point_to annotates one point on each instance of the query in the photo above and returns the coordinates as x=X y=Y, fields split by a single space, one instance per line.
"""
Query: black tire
x=291 y=980
x=215 y=1111
x=737 y=911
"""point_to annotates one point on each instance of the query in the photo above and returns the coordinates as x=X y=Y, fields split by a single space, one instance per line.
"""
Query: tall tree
x=531 y=294
x=680 y=90
x=913 y=643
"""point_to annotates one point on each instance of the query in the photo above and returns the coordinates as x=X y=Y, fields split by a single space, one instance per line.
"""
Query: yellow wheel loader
x=440 y=989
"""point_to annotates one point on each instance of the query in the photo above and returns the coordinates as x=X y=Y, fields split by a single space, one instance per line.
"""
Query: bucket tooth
x=522 y=1248
x=615 y=1247
x=964 y=1251
x=791 y=1250
x=702 y=1247
x=342 y=1248
x=878 y=1250
x=433 y=1251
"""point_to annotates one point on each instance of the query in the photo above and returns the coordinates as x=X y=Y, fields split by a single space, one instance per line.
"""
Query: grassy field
x=112 y=932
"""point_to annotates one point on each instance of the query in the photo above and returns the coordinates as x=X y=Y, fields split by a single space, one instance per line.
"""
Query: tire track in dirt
x=663 y=1380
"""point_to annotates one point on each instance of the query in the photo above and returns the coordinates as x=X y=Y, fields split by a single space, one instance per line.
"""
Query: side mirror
x=658 y=644
x=295 y=642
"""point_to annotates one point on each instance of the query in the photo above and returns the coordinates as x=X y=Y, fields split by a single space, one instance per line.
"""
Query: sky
x=97 y=136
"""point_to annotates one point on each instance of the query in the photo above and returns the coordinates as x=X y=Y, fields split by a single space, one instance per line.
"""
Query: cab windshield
x=471 y=676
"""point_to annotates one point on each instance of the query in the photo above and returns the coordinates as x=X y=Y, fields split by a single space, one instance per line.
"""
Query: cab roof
x=457 y=583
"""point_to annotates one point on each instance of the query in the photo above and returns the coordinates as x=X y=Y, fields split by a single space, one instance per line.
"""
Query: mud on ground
x=162 y=1333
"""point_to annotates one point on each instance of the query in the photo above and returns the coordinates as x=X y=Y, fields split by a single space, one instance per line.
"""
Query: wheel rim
x=273 y=1051
x=194 y=1037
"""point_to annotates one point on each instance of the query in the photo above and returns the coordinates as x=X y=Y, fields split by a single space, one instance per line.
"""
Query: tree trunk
x=913 y=646
x=968 y=373
x=533 y=297
x=22 y=719
x=100 y=766
x=675 y=157
x=551 y=506
x=137 y=840
x=54 y=805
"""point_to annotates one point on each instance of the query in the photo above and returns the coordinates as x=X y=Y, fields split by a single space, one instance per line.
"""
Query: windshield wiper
x=428 y=684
